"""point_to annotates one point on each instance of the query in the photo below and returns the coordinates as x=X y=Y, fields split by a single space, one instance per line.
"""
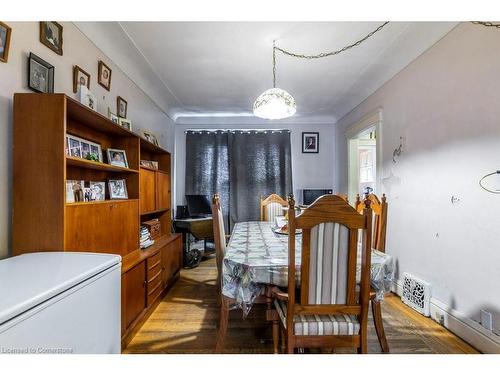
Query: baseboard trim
x=467 y=329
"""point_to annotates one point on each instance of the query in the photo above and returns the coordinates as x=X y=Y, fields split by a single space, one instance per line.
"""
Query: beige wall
x=446 y=105
x=78 y=50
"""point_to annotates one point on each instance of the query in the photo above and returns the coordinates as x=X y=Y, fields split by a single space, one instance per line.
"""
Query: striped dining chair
x=329 y=313
x=271 y=207
x=379 y=209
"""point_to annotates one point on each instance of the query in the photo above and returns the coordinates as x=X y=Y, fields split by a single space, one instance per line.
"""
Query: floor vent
x=416 y=293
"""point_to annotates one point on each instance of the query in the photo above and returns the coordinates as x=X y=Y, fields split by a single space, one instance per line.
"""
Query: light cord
x=485 y=188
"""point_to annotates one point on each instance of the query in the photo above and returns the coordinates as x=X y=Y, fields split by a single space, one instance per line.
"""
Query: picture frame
x=74 y=191
x=117 y=189
x=113 y=117
x=81 y=148
x=125 y=123
x=96 y=191
x=87 y=97
x=40 y=75
x=150 y=137
x=51 y=36
x=310 y=142
x=80 y=78
x=149 y=164
x=121 y=107
x=104 y=75
x=5 y=32
x=116 y=157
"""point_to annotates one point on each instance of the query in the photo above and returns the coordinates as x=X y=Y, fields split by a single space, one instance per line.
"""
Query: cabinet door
x=133 y=294
x=171 y=259
x=103 y=227
x=147 y=190
x=162 y=190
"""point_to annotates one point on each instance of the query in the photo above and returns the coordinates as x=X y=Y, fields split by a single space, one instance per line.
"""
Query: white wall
x=446 y=105
x=78 y=50
x=308 y=170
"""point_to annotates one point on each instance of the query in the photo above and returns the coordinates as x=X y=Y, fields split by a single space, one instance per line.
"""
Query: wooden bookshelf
x=43 y=221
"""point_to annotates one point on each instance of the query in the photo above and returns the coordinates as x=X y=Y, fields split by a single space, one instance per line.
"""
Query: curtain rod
x=237 y=130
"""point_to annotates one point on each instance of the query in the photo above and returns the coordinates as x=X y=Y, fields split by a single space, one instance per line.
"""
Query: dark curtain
x=260 y=164
x=241 y=166
x=207 y=166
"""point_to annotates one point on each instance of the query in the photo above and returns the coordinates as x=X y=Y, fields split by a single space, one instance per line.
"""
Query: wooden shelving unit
x=43 y=221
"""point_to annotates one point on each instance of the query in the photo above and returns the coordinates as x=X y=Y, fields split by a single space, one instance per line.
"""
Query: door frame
x=371 y=120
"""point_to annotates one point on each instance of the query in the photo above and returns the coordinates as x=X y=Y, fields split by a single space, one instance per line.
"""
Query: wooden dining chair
x=271 y=207
x=379 y=210
x=220 y=241
x=329 y=313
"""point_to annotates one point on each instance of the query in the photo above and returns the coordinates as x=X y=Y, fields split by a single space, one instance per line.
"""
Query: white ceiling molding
x=211 y=72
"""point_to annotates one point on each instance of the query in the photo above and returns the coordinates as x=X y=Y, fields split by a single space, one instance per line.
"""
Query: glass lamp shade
x=274 y=104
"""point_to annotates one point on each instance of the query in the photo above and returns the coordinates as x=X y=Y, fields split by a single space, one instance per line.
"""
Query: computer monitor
x=310 y=195
x=198 y=205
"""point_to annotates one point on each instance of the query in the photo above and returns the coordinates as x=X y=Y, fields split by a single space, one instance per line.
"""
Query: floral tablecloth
x=256 y=256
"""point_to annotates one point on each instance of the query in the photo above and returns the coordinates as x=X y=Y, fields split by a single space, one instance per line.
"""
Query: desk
x=256 y=255
x=200 y=229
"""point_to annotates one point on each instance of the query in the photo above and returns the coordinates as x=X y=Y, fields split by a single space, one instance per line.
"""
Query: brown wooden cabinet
x=43 y=221
x=133 y=294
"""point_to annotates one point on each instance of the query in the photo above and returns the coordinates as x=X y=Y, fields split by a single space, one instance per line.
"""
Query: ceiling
x=211 y=72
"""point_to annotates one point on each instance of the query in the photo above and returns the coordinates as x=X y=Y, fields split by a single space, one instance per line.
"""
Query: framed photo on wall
x=40 y=75
x=51 y=35
x=310 y=143
x=80 y=78
x=104 y=75
x=4 y=41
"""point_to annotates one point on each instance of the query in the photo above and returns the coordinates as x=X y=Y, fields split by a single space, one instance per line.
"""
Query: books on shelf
x=145 y=239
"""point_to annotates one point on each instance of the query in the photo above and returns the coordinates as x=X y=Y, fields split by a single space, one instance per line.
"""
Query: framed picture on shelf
x=82 y=148
x=87 y=98
x=80 y=78
x=117 y=158
x=95 y=191
x=121 y=107
x=40 y=75
x=117 y=189
x=150 y=137
x=310 y=143
x=5 y=32
x=113 y=117
x=74 y=191
x=51 y=35
x=125 y=123
x=104 y=75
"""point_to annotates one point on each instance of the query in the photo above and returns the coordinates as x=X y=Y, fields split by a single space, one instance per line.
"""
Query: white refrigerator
x=60 y=302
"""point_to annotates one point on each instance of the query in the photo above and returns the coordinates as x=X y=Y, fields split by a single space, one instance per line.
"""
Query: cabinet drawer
x=154 y=289
x=154 y=264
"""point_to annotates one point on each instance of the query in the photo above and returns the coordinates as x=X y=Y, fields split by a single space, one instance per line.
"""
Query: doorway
x=363 y=141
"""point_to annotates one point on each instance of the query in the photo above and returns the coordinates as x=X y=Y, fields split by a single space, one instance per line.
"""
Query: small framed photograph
x=40 y=75
x=87 y=97
x=113 y=117
x=96 y=191
x=80 y=78
x=151 y=137
x=125 y=123
x=117 y=189
x=104 y=75
x=82 y=148
x=121 y=107
x=310 y=143
x=74 y=191
x=117 y=157
x=5 y=32
x=51 y=35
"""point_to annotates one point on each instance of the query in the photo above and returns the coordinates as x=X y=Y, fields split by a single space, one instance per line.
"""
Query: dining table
x=257 y=256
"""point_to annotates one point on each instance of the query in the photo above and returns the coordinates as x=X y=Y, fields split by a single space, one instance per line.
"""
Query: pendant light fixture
x=276 y=103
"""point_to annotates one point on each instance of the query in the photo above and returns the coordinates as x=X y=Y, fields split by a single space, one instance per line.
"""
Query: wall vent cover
x=416 y=294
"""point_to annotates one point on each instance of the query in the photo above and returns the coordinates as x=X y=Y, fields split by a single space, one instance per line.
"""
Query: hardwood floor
x=185 y=322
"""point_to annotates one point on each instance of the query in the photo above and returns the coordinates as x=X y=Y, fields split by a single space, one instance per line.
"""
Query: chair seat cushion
x=316 y=325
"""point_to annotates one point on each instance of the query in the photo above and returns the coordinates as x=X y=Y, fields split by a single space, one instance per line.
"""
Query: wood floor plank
x=185 y=321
